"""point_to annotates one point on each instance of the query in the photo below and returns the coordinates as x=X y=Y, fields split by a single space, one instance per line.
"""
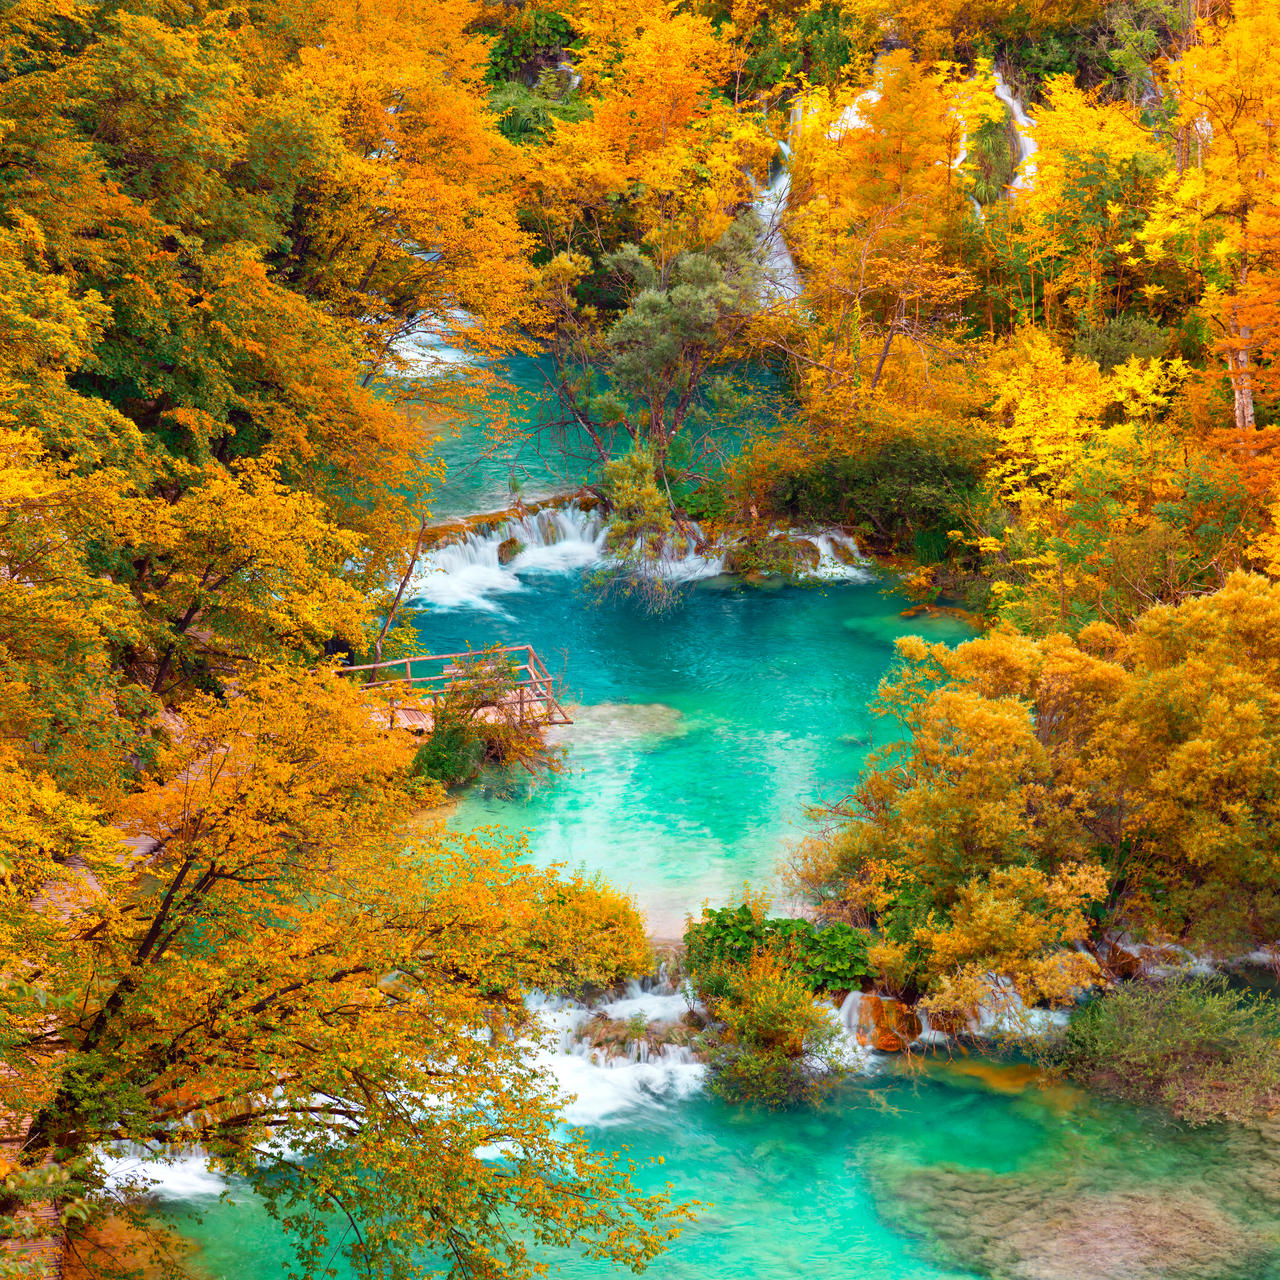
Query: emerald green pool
x=921 y=1173
x=701 y=735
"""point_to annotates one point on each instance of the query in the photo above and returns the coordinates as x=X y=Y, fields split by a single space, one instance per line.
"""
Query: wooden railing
x=531 y=694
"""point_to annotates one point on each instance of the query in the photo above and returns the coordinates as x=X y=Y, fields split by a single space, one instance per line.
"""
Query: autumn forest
x=640 y=635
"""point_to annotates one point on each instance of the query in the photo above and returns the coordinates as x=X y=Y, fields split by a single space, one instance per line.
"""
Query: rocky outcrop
x=885 y=1024
x=631 y=1038
x=508 y=549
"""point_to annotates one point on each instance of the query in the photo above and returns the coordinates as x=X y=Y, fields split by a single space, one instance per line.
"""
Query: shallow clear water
x=700 y=735
x=961 y=1151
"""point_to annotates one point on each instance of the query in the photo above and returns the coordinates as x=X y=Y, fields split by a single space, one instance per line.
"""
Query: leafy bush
x=452 y=753
x=1114 y=341
x=1204 y=1050
x=527 y=114
x=640 y=513
x=777 y=1048
x=822 y=41
x=894 y=490
x=476 y=719
x=529 y=35
x=833 y=958
x=992 y=155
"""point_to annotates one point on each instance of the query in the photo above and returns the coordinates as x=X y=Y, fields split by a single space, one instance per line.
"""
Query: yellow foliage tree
x=330 y=1007
x=1220 y=212
x=1128 y=773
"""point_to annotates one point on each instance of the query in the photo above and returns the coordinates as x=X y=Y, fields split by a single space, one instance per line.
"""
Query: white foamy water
x=781 y=282
x=606 y=1090
x=855 y=1056
x=428 y=352
x=188 y=1178
x=468 y=573
x=1023 y=124
x=653 y=1006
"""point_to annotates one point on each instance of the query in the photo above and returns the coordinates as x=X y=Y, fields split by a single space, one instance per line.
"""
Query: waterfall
x=491 y=559
x=605 y=1086
x=1005 y=1013
x=470 y=572
x=1023 y=124
x=429 y=349
x=855 y=1054
x=851 y=1012
x=781 y=279
x=188 y=1178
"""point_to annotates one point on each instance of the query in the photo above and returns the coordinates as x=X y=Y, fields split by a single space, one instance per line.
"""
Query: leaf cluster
x=1202 y=1048
x=830 y=958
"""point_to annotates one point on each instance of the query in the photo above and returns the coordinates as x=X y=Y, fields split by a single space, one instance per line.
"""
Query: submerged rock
x=1014 y=1229
x=1210 y=1218
x=607 y=722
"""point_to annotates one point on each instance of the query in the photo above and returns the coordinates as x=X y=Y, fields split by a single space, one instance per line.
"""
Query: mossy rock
x=804 y=554
x=508 y=549
x=846 y=555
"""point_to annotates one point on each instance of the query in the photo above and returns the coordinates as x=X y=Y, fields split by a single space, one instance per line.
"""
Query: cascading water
x=1023 y=125
x=781 y=279
x=485 y=563
x=470 y=571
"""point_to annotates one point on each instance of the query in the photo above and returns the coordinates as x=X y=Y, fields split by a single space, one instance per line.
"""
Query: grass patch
x=1205 y=1051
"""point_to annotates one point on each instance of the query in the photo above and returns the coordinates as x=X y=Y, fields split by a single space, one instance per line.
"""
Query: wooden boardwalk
x=43 y=1255
x=529 y=698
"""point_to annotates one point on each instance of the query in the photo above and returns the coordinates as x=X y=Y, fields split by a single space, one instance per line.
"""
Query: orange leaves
x=1038 y=777
x=660 y=143
x=290 y=965
x=875 y=203
x=1072 y=125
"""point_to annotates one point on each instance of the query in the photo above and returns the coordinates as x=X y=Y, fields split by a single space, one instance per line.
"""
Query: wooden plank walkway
x=530 y=698
x=43 y=1256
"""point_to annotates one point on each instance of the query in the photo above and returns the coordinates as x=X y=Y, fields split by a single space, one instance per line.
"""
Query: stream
x=700 y=735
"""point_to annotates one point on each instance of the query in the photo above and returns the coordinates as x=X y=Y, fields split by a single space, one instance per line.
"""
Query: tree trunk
x=1240 y=368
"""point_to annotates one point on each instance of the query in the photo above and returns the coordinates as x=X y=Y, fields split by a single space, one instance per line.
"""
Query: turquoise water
x=485 y=477
x=700 y=734
x=930 y=1175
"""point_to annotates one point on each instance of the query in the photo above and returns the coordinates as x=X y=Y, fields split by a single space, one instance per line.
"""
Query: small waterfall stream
x=1023 y=125
x=491 y=560
x=781 y=279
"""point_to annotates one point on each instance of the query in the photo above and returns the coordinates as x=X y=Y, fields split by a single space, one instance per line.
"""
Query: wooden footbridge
x=520 y=688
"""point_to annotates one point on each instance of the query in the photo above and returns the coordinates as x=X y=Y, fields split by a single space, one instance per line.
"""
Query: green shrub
x=1114 y=341
x=775 y=1047
x=530 y=34
x=475 y=719
x=528 y=114
x=1202 y=1049
x=893 y=492
x=994 y=160
x=453 y=753
x=833 y=958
